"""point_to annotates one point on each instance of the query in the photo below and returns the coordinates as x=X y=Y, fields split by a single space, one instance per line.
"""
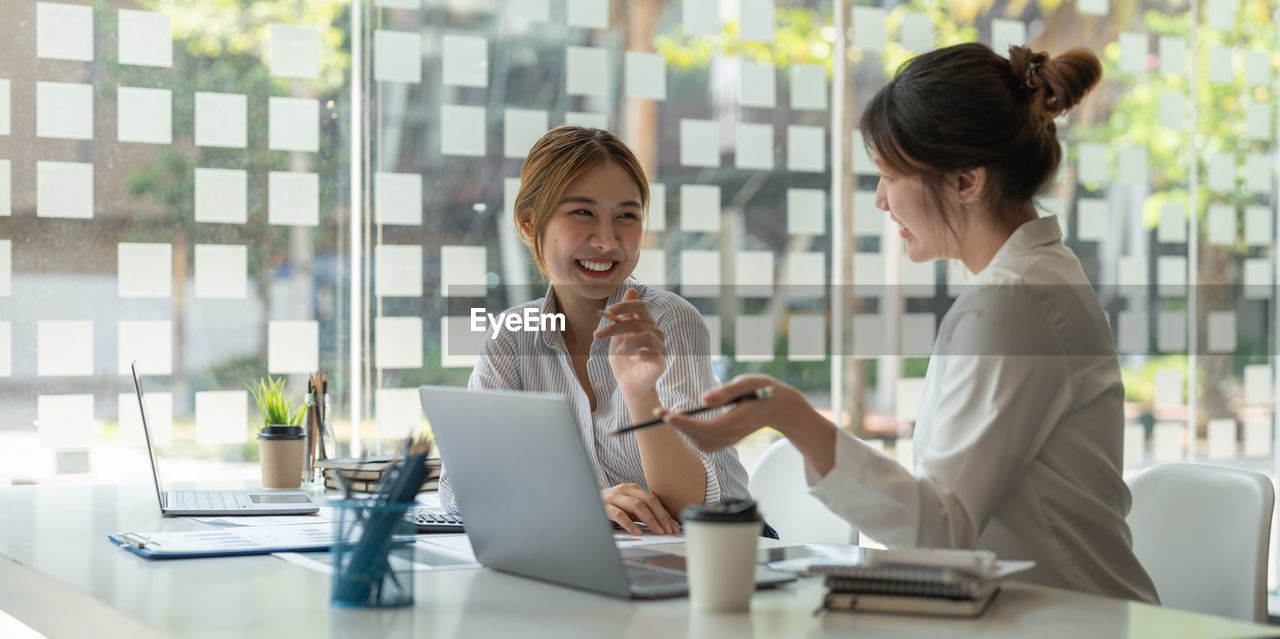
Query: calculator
x=427 y=521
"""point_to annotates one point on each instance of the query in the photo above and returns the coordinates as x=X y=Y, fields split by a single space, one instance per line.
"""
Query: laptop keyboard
x=208 y=499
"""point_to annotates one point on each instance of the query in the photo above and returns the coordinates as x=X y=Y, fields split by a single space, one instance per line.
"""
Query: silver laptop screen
x=146 y=431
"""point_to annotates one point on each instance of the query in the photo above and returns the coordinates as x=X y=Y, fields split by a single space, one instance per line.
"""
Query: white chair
x=1202 y=533
x=777 y=484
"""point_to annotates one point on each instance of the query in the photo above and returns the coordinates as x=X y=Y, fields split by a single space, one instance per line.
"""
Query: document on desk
x=264 y=520
x=217 y=542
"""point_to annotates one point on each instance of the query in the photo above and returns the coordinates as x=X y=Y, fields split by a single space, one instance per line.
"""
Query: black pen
x=759 y=393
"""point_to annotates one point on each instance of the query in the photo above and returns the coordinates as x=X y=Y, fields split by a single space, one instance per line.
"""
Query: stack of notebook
x=917 y=581
x=362 y=474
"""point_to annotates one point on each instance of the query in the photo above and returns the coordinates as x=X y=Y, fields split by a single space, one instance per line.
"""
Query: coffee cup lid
x=724 y=512
x=280 y=432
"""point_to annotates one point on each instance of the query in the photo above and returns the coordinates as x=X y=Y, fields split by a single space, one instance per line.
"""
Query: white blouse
x=539 y=361
x=1018 y=440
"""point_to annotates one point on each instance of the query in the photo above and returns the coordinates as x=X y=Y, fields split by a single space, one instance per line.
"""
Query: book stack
x=364 y=473
x=922 y=581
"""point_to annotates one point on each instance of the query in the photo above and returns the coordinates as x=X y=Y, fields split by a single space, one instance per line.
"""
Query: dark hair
x=964 y=107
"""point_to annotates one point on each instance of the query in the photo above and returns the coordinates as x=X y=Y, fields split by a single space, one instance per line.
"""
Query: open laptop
x=525 y=488
x=217 y=502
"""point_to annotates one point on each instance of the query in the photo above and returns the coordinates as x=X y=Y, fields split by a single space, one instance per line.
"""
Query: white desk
x=60 y=575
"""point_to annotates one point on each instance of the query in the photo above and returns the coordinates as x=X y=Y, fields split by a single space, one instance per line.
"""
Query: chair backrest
x=777 y=484
x=1202 y=533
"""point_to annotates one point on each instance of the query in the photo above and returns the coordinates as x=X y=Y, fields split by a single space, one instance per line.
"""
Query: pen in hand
x=759 y=393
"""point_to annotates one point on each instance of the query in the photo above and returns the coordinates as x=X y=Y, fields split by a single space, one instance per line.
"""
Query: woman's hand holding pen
x=784 y=405
x=638 y=350
x=626 y=504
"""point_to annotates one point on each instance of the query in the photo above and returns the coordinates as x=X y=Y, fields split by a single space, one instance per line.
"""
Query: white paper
x=917 y=334
x=757 y=85
x=293 y=346
x=1133 y=165
x=645 y=75
x=1257 y=439
x=868 y=219
x=293 y=199
x=806 y=274
x=230 y=539
x=65 y=421
x=1257 y=385
x=1257 y=225
x=1133 y=332
x=462 y=130
x=145 y=115
x=4 y=107
x=454 y=545
x=295 y=51
x=159 y=419
x=1257 y=278
x=221 y=271
x=1092 y=7
x=1222 y=438
x=1091 y=165
x=397 y=270
x=145 y=270
x=868 y=28
x=465 y=61
x=460 y=345
x=521 y=129
x=1257 y=121
x=1007 y=33
x=699 y=143
x=755 y=19
x=1221 y=14
x=806 y=338
x=149 y=343
x=221 y=120
x=657 y=218
x=754 y=148
x=699 y=17
x=587 y=71
x=1173 y=55
x=1094 y=217
x=589 y=14
x=1171 y=332
x=1173 y=110
x=326 y=515
x=64 y=31
x=222 y=417
x=806 y=148
x=1166 y=441
x=1222 y=332
x=862 y=162
x=700 y=208
x=294 y=124
x=398 y=412
x=700 y=273
x=397 y=198
x=1221 y=69
x=1257 y=173
x=462 y=271
x=64 y=348
x=1133 y=52
x=806 y=211
x=6 y=189
x=808 y=87
x=1257 y=67
x=753 y=338
x=651 y=268
x=917 y=31
x=145 y=38
x=64 y=110
x=1221 y=224
x=1173 y=223
x=1134 y=442
x=397 y=56
x=908 y=393
x=6 y=349
x=1171 y=276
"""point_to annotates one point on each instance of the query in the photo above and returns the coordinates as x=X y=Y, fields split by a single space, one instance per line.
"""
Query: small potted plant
x=281 y=444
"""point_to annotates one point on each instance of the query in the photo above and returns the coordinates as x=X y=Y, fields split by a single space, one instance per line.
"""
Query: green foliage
x=273 y=405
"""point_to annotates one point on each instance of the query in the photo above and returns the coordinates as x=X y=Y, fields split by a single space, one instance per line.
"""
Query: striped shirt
x=539 y=361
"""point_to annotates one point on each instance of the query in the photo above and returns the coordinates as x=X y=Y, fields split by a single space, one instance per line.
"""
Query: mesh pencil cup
x=372 y=555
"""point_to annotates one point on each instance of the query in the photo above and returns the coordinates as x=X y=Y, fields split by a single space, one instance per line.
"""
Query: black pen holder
x=372 y=555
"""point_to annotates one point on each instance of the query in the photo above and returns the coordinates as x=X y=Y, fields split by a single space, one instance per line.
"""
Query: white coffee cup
x=720 y=541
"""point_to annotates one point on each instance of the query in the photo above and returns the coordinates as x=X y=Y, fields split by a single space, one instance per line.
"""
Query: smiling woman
x=623 y=350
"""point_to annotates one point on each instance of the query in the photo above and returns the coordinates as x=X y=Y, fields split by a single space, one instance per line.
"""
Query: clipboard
x=227 y=542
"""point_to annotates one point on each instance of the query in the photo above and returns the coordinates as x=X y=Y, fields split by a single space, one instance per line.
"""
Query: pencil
x=759 y=393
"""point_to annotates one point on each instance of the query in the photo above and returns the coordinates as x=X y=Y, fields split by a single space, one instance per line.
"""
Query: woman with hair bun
x=1018 y=438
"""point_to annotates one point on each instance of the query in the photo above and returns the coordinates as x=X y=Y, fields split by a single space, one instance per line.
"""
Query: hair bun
x=1059 y=83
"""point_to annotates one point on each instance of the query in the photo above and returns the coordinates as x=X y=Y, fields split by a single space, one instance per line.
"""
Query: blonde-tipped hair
x=557 y=159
